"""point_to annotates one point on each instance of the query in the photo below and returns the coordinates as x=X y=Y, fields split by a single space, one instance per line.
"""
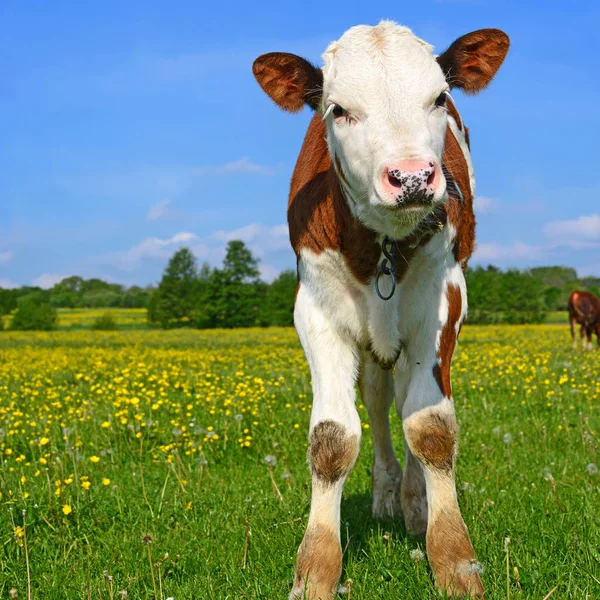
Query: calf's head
x=383 y=93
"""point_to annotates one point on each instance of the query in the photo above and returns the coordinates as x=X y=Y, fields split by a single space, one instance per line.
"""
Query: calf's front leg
x=431 y=433
x=334 y=441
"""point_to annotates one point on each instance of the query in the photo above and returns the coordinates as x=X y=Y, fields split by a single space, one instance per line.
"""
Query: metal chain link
x=387 y=266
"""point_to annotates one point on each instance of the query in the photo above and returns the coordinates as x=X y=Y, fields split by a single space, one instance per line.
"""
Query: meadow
x=152 y=464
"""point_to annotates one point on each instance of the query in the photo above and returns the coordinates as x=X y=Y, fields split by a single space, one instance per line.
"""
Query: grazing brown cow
x=584 y=309
x=381 y=220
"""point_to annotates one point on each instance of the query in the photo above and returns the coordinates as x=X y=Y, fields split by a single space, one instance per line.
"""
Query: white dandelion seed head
x=472 y=567
x=270 y=460
x=592 y=469
x=417 y=555
x=507 y=438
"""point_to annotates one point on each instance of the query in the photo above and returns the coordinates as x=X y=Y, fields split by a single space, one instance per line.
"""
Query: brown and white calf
x=584 y=309
x=385 y=162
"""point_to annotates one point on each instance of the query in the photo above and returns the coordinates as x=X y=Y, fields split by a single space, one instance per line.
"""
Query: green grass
x=218 y=529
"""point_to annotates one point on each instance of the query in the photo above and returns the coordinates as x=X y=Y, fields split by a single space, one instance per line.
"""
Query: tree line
x=514 y=296
x=234 y=295
x=230 y=296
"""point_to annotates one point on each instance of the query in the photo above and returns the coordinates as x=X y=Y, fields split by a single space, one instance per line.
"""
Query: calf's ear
x=289 y=80
x=473 y=59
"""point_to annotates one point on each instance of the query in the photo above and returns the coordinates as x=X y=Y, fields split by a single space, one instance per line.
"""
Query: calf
x=381 y=220
x=584 y=309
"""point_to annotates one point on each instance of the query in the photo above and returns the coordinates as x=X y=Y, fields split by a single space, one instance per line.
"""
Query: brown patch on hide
x=332 y=451
x=467 y=137
x=318 y=215
x=453 y=113
x=451 y=556
x=460 y=214
x=319 y=564
x=432 y=440
x=441 y=371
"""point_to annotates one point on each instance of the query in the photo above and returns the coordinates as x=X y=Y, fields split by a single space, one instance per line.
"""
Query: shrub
x=34 y=314
x=105 y=322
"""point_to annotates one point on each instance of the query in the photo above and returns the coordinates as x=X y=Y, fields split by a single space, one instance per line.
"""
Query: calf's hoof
x=463 y=582
x=319 y=565
x=452 y=558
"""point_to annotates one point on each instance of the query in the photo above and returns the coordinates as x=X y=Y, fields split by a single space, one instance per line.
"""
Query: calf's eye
x=338 y=111
x=441 y=99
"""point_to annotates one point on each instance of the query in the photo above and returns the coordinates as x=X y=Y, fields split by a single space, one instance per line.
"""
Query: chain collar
x=387 y=266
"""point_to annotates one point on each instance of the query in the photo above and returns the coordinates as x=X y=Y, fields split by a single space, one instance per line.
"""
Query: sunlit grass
x=139 y=458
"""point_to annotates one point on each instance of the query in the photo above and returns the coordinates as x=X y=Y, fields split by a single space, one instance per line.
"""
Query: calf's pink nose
x=411 y=180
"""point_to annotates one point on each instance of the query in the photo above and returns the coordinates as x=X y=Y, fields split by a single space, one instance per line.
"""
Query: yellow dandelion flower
x=67 y=510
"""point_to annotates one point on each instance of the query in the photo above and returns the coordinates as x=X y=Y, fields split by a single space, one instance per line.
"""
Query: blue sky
x=131 y=128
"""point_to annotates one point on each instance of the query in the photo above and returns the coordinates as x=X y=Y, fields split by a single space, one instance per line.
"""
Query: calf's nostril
x=394 y=179
x=431 y=177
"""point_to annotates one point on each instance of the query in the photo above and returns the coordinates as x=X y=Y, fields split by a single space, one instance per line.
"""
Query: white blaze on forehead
x=371 y=66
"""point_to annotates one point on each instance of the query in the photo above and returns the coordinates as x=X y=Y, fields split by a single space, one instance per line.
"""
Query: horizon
x=126 y=128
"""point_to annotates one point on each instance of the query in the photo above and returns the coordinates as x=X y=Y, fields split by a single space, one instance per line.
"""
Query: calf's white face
x=383 y=100
x=382 y=93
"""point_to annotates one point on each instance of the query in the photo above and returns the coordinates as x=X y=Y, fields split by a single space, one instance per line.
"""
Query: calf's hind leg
x=333 y=446
x=376 y=388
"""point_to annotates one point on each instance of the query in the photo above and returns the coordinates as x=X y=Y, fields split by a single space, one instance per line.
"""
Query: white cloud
x=516 y=251
x=159 y=211
x=585 y=227
x=6 y=257
x=270 y=244
x=484 y=205
x=244 y=165
x=259 y=238
x=155 y=248
x=48 y=280
x=7 y=284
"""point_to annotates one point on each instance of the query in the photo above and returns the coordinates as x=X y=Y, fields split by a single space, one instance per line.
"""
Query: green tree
x=34 y=313
x=279 y=301
x=522 y=298
x=235 y=291
x=204 y=314
x=173 y=302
